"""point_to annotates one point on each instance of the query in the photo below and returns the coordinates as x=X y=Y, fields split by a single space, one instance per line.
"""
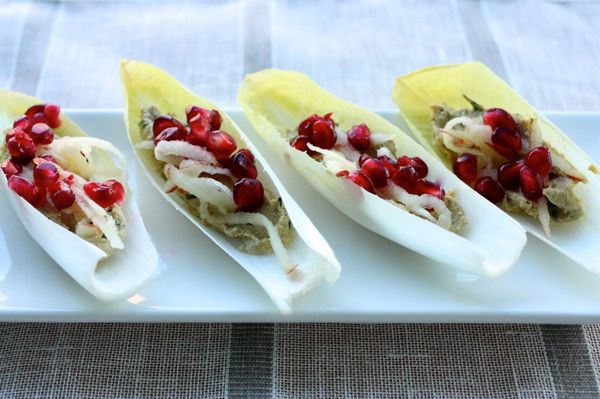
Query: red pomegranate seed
x=360 y=179
x=22 y=123
x=49 y=158
x=540 y=160
x=305 y=127
x=416 y=162
x=342 y=173
x=300 y=143
x=35 y=195
x=247 y=153
x=35 y=110
x=170 y=134
x=389 y=164
x=376 y=172
x=248 y=194
x=360 y=137
x=199 y=130
x=406 y=177
x=39 y=118
x=530 y=185
x=105 y=194
x=52 y=114
x=213 y=117
x=424 y=186
x=21 y=147
x=497 y=118
x=323 y=135
x=10 y=168
x=363 y=158
x=62 y=197
x=490 y=189
x=11 y=133
x=465 y=167
x=41 y=133
x=507 y=141
x=164 y=122
x=241 y=165
x=221 y=144
x=45 y=174
x=508 y=175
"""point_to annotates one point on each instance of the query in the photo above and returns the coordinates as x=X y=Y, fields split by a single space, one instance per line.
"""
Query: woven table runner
x=68 y=52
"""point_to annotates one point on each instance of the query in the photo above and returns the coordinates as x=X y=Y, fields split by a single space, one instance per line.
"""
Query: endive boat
x=70 y=192
x=508 y=152
x=204 y=165
x=377 y=175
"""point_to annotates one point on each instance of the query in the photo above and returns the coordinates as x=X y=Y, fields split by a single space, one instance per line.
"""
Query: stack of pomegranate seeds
x=408 y=173
x=204 y=130
x=525 y=172
x=30 y=131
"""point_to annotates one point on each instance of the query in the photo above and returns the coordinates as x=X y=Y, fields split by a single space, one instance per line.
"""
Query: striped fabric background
x=68 y=52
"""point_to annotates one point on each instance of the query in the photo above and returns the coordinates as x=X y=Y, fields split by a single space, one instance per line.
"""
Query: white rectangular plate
x=380 y=281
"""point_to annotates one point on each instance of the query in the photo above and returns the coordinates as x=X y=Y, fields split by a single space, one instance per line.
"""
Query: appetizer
x=205 y=166
x=377 y=175
x=506 y=151
x=69 y=191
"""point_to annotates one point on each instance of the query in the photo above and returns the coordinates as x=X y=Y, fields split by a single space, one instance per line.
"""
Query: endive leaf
x=416 y=92
x=276 y=101
x=108 y=278
x=147 y=85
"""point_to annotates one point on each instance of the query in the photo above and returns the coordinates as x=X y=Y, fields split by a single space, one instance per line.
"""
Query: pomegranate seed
x=424 y=186
x=306 y=126
x=52 y=114
x=248 y=194
x=507 y=142
x=530 y=185
x=10 y=168
x=300 y=143
x=38 y=118
x=62 y=197
x=539 y=160
x=11 y=133
x=35 y=195
x=360 y=137
x=213 y=117
x=342 y=173
x=241 y=165
x=508 y=175
x=170 y=134
x=247 y=153
x=490 y=189
x=49 y=158
x=164 y=122
x=21 y=147
x=389 y=164
x=35 y=110
x=416 y=162
x=465 y=167
x=323 y=135
x=363 y=158
x=22 y=123
x=499 y=118
x=406 y=177
x=376 y=172
x=105 y=194
x=42 y=134
x=199 y=130
x=45 y=174
x=360 y=179
x=221 y=144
